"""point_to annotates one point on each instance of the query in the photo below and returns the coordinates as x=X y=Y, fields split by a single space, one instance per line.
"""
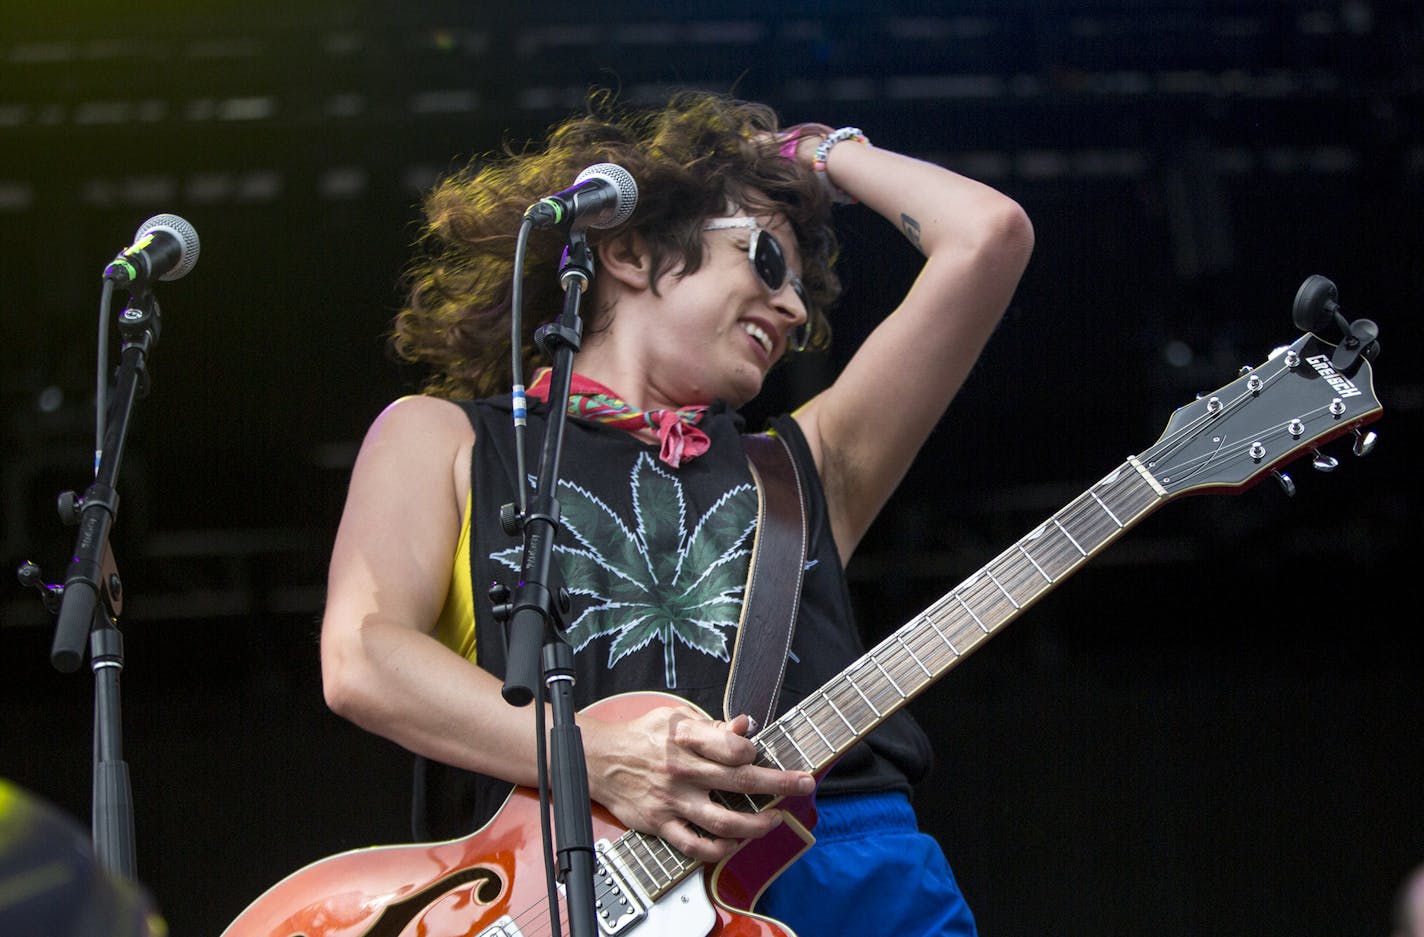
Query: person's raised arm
x=867 y=427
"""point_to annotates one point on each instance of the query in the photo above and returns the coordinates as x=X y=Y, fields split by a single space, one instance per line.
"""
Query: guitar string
x=1192 y=466
x=1207 y=416
x=1191 y=429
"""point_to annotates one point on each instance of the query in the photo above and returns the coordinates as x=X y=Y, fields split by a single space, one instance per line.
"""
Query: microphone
x=165 y=248
x=602 y=196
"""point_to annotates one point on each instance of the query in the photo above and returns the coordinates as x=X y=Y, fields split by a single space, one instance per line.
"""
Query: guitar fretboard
x=821 y=728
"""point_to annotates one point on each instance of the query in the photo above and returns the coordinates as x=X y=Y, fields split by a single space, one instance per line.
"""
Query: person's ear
x=625 y=258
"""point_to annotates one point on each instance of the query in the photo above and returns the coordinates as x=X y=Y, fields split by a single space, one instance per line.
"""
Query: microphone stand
x=92 y=575
x=532 y=615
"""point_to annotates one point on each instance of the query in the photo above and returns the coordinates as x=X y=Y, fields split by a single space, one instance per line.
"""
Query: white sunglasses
x=768 y=261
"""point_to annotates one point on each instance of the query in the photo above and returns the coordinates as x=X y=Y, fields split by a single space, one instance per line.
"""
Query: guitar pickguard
x=685 y=911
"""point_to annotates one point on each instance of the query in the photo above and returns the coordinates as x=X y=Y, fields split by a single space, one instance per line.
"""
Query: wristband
x=823 y=151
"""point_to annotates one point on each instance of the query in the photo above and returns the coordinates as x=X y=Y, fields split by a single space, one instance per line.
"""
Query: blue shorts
x=871 y=871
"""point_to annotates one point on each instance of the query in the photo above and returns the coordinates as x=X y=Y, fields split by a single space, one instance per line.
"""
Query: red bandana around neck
x=677 y=429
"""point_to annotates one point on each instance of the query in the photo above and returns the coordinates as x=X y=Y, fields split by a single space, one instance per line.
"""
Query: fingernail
x=806 y=785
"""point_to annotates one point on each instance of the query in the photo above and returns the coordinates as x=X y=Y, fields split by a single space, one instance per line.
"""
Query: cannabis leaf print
x=659 y=576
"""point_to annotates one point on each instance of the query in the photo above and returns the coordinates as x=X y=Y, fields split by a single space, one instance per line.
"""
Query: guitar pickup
x=615 y=903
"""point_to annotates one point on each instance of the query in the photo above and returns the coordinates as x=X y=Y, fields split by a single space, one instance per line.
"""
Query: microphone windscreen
x=622 y=180
x=186 y=235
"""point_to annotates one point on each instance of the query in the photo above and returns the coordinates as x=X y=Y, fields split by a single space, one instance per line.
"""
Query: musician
x=723 y=270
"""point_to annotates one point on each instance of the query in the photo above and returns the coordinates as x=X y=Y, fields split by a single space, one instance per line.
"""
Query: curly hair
x=692 y=159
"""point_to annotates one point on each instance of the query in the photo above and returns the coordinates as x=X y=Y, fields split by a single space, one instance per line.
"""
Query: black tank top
x=655 y=559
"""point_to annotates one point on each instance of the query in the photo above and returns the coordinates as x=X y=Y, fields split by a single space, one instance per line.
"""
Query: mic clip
x=141 y=320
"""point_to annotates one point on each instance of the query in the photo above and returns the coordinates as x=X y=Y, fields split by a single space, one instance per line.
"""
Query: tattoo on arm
x=912 y=230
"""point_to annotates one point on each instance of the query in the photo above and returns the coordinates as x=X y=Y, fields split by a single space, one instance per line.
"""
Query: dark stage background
x=1214 y=728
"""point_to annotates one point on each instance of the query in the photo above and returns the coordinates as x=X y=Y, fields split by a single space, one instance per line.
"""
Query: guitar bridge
x=616 y=904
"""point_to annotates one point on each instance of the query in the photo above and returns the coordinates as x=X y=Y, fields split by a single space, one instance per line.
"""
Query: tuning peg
x=1323 y=462
x=1286 y=482
x=1364 y=443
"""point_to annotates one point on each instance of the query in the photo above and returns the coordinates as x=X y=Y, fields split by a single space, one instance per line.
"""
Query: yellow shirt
x=455 y=628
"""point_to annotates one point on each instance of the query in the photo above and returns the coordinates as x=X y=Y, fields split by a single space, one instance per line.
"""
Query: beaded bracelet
x=818 y=163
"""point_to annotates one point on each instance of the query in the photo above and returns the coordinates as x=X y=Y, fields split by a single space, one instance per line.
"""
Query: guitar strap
x=773 y=592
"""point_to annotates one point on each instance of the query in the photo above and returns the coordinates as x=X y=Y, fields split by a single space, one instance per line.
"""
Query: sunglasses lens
x=768 y=260
x=769 y=264
x=800 y=337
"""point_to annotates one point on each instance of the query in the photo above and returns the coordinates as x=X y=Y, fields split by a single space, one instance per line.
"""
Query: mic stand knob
x=70 y=508
x=500 y=607
x=510 y=520
x=50 y=593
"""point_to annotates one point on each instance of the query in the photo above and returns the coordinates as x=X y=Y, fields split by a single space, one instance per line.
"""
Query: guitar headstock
x=1294 y=402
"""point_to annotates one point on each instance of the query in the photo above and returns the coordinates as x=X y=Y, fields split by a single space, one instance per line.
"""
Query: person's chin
x=744 y=389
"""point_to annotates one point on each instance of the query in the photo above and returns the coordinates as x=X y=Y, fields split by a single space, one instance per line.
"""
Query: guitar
x=492 y=882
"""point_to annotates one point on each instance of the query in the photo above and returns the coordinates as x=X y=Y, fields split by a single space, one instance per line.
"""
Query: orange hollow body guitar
x=492 y=883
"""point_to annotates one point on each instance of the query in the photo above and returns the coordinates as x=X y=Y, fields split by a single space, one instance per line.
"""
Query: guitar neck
x=813 y=734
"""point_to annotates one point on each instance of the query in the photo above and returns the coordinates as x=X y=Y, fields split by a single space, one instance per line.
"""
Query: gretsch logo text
x=1343 y=385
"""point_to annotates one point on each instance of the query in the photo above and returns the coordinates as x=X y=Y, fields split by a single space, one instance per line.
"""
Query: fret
x=1057 y=553
x=995 y=580
x=680 y=863
x=1095 y=527
x=632 y=851
x=786 y=734
x=961 y=601
x=893 y=685
x=901 y=642
x=942 y=636
x=817 y=729
x=750 y=805
x=838 y=725
x=854 y=732
x=1104 y=506
x=1069 y=536
x=1021 y=579
x=855 y=686
x=1047 y=578
x=771 y=755
x=648 y=843
x=933 y=652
